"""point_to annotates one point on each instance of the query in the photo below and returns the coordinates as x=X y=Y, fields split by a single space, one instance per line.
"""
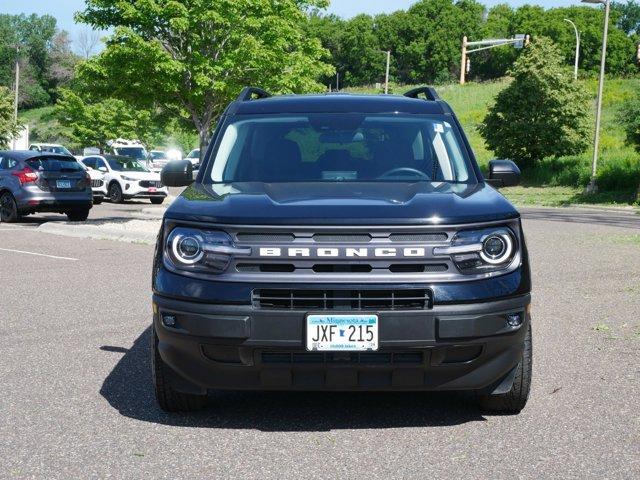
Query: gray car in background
x=32 y=182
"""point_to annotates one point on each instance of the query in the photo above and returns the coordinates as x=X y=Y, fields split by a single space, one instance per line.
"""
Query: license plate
x=63 y=183
x=342 y=332
x=153 y=189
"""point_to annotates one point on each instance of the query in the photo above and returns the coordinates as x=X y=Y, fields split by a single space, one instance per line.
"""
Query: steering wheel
x=405 y=170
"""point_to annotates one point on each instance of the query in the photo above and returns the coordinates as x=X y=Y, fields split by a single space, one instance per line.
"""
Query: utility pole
x=17 y=85
x=337 y=82
x=577 y=59
x=386 y=76
x=592 y=187
x=519 y=41
x=463 y=61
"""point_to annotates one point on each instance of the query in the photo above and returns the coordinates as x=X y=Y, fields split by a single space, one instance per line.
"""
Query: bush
x=630 y=118
x=542 y=113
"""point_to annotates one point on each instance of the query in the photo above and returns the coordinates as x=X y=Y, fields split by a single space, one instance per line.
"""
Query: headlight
x=480 y=251
x=201 y=251
x=127 y=179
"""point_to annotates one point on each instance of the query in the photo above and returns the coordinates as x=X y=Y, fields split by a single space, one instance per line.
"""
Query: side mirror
x=503 y=173
x=103 y=169
x=178 y=173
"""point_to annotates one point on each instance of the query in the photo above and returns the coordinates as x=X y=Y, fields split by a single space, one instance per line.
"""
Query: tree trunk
x=204 y=141
x=638 y=194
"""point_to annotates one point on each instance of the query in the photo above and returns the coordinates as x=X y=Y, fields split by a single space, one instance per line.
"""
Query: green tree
x=8 y=127
x=191 y=57
x=94 y=124
x=628 y=16
x=630 y=117
x=541 y=113
x=33 y=34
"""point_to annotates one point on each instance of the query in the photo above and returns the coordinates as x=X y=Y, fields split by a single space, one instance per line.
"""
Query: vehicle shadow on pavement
x=129 y=390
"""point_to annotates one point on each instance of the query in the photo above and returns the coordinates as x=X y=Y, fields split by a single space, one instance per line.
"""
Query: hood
x=152 y=176
x=341 y=203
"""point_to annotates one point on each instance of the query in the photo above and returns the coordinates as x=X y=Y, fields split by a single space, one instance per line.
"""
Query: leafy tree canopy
x=8 y=127
x=94 y=124
x=191 y=57
x=542 y=113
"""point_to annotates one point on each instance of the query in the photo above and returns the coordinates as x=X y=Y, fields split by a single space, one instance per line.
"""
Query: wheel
x=115 y=193
x=157 y=201
x=8 y=208
x=97 y=200
x=78 y=215
x=169 y=399
x=515 y=399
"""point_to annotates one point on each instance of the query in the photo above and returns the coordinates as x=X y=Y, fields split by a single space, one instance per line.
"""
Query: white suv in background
x=126 y=178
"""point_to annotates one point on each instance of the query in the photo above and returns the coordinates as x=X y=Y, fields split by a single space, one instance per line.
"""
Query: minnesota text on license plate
x=342 y=332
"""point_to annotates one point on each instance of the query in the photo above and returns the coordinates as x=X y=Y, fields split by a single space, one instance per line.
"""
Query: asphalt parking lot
x=77 y=398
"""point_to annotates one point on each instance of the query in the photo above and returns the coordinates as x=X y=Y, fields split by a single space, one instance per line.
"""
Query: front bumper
x=449 y=347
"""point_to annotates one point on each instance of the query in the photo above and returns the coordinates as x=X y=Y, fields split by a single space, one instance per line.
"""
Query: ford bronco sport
x=341 y=242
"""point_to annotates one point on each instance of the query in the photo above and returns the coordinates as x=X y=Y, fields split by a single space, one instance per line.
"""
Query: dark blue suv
x=341 y=242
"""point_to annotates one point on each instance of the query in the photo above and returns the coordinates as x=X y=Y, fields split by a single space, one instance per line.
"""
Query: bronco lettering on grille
x=330 y=252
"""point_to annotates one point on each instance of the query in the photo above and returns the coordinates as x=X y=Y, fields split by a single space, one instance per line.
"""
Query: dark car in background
x=341 y=242
x=32 y=182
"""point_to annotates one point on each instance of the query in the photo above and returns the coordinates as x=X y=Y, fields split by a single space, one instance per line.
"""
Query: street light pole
x=577 y=59
x=17 y=85
x=386 y=76
x=592 y=187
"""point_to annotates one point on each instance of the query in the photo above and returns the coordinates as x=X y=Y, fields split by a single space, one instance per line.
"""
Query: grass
x=556 y=181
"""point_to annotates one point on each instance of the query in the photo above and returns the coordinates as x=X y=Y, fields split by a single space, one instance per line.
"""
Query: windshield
x=126 y=165
x=51 y=164
x=55 y=149
x=158 y=155
x=194 y=153
x=341 y=148
x=134 y=152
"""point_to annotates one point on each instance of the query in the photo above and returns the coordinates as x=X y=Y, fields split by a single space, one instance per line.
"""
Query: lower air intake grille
x=409 y=299
x=351 y=358
x=96 y=183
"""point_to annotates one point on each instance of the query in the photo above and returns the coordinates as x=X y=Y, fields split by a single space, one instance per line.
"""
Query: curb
x=78 y=230
x=624 y=210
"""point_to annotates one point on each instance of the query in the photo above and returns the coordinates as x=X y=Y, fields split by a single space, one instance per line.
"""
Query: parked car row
x=41 y=180
x=122 y=178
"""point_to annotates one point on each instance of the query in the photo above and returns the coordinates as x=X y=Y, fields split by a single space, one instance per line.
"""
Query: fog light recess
x=169 y=320
x=514 y=319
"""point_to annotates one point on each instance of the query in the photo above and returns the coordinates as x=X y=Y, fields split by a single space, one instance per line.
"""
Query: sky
x=63 y=10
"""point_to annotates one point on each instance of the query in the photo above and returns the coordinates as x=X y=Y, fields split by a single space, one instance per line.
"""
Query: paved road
x=76 y=397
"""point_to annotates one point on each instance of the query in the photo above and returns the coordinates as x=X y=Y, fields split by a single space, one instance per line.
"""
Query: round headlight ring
x=490 y=254
x=187 y=249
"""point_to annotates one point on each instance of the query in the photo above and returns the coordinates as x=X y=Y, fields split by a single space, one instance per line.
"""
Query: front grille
x=409 y=299
x=344 y=358
x=150 y=183
x=97 y=183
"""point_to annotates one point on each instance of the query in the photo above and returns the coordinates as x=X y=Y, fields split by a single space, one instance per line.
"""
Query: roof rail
x=248 y=93
x=429 y=93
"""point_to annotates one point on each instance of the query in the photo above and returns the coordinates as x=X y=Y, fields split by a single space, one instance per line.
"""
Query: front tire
x=516 y=398
x=115 y=193
x=97 y=200
x=8 y=208
x=157 y=201
x=79 y=215
x=170 y=400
